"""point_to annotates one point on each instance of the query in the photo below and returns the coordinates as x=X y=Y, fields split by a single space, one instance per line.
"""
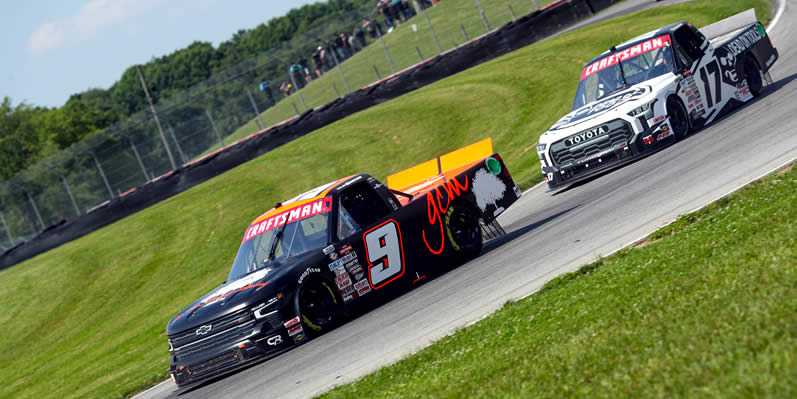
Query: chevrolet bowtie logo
x=204 y=329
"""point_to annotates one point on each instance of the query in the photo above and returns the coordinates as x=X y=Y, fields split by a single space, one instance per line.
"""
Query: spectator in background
x=266 y=89
x=297 y=74
x=332 y=51
x=385 y=7
x=353 y=44
x=305 y=70
x=318 y=61
x=346 y=44
x=339 y=47
x=406 y=9
x=286 y=88
x=359 y=33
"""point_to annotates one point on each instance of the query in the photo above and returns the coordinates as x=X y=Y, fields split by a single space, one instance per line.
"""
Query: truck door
x=703 y=68
x=364 y=227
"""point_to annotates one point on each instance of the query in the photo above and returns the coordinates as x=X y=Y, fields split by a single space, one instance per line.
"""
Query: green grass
x=87 y=319
x=446 y=18
x=709 y=311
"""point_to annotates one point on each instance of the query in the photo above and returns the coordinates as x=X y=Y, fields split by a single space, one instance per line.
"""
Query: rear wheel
x=463 y=230
x=679 y=120
x=318 y=306
x=753 y=76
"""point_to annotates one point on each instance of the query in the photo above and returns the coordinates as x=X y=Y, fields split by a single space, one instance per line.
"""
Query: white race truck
x=653 y=90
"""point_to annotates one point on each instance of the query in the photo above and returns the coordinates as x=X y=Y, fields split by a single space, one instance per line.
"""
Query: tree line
x=29 y=133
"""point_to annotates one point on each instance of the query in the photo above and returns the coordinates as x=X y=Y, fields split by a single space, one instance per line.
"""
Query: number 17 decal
x=385 y=253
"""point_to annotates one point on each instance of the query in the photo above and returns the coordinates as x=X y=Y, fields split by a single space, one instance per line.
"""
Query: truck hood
x=608 y=108
x=227 y=298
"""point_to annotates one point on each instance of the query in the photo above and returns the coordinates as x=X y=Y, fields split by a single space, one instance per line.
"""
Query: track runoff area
x=549 y=236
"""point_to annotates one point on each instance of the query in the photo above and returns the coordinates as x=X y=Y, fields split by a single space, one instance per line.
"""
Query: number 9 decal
x=385 y=253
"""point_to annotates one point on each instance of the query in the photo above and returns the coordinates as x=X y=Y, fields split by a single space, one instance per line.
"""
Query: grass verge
x=707 y=311
x=87 y=319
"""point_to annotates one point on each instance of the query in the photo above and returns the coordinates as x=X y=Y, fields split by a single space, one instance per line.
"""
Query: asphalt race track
x=547 y=235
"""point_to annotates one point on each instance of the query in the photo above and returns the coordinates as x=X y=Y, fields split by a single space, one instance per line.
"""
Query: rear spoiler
x=735 y=22
x=434 y=168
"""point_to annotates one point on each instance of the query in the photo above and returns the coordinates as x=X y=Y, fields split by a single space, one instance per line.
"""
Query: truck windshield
x=640 y=62
x=294 y=237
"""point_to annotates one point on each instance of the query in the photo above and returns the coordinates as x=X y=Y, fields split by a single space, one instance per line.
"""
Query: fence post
x=298 y=92
x=462 y=28
x=376 y=71
x=177 y=144
x=66 y=185
x=484 y=17
x=536 y=5
x=345 y=83
x=32 y=202
x=138 y=157
x=387 y=53
x=434 y=35
x=213 y=123
x=419 y=54
x=102 y=173
x=155 y=115
x=254 y=105
x=8 y=232
x=296 y=110
x=512 y=12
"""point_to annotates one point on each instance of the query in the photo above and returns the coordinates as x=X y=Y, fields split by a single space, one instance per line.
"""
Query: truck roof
x=641 y=38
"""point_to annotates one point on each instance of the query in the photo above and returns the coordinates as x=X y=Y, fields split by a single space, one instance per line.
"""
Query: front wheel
x=318 y=306
x=753 y=76
x=679 y=120
x=463 y=230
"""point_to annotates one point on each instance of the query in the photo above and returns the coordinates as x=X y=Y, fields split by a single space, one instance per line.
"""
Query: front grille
x=220 y=324
x=218 y=340
x=620 y=132
x=213 y=364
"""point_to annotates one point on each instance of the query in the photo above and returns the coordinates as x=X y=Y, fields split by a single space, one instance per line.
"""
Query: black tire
x=679 y=120
x=753 y=76
x=318 y=306
x=463 y=230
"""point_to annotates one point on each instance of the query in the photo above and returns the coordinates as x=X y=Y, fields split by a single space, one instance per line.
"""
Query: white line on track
x=778 y=14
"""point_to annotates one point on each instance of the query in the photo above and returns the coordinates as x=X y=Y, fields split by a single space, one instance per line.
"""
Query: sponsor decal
x=586 y=135
x=355 y=269
x=727 y=53
x=518 y=193
x=453 y=189
x=664 y=135
x=348 y=293
x=628 y=53
x=334 y=265
x=344 y=249
x=307 y=273
x=349 y=183
x=659 y=119
x=291 y=322
x=295 y=330
x=344 y=282
x=275 y=340
x=247 y=282
x=204 y=329
x=299 y=338
x=664 y=127
x=340 y=271
x=648 y=140
x=362 y=287
x=333 y=255
x=313 y=208
x=488 y=189
x=600 y=106
x=329 y=249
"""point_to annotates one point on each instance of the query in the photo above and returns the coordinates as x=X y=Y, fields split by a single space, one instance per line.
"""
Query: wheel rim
x=753 y=77
x=464 y=228
x=316 y=305
x=678 y=119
